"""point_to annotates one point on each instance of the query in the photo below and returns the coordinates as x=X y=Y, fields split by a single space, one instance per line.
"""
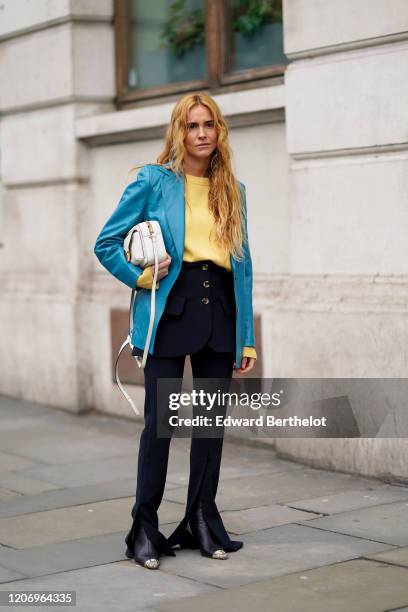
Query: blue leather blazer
x=159 y=194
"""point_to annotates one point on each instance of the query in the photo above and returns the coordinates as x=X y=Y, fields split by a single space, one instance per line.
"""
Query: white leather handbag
x=144 y=246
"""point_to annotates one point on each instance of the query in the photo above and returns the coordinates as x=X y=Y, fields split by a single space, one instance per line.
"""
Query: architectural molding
x=56 y=102
x=73 y=180
x=366 y=151
x=56 y=22
x=249 y=107
x=306 y=293
x=332 y=293
x=354 y=45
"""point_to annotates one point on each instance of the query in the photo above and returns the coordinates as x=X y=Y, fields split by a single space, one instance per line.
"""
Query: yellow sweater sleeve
x=145 y=280
x=249 y=351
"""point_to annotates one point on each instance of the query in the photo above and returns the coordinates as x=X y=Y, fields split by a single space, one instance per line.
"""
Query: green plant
x=184 y=28
x=250 y=15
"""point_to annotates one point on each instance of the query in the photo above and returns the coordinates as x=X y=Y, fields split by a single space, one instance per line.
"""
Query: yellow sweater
x=199 y=240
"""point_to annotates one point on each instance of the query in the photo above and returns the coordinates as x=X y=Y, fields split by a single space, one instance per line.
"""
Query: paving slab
x=269 y=464
x=77 y=554
x=387 y=523
x=64 y=498
x=76 y=522
x=355 y=586
x=75 y=532
x=249 y=457
x=251 y=460
x=271 y=552
x=10 y=462
x=123 y=587
x=7 y=574
x=182 y=477
x=74 y=451
x=91 y=471
x=19 y=422
x=65 y=556
x=229 y=470
x=25 y=485
x=264 y=517
x=6 y=494
x=87 y=472
x=79 y=473
x=57 y=443
x=397 y=556
x=266 y=489
x=10 y=406
x=353 y=500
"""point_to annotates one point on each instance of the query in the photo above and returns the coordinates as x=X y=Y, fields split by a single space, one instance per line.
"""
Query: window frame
x=217 y=81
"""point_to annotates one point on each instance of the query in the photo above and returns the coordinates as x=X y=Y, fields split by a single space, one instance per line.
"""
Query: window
x=165 y=47
x=253 y=35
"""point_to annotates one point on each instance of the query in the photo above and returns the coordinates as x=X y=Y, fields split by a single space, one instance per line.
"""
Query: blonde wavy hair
x=225 y=200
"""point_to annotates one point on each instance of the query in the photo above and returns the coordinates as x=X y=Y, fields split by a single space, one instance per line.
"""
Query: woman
x=203 y=309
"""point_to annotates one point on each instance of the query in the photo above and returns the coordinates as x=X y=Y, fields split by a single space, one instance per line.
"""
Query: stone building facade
x=322 y=151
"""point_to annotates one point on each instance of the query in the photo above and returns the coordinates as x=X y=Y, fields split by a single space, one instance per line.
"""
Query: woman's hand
x=247 y=363
x=163 y=267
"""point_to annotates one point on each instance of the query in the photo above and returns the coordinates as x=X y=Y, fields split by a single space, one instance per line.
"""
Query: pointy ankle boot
x=146 y=552
x=200 y=530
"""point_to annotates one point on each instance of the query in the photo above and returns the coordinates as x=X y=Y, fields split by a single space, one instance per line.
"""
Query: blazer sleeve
x=129 y=211
x=249 y=338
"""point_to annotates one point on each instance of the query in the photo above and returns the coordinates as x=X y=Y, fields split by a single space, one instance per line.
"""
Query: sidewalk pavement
x=313 y=540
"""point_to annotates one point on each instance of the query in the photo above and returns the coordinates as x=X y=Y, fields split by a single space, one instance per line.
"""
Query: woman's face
x=201 y=139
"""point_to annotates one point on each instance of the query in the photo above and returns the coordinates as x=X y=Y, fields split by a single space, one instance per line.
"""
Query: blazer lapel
x=173 y=193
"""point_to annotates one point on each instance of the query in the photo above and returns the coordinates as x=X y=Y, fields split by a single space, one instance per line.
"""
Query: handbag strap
x=140 y=363
x=122 y=389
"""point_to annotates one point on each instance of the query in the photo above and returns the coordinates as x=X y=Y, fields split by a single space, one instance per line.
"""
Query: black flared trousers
x=199 y=320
